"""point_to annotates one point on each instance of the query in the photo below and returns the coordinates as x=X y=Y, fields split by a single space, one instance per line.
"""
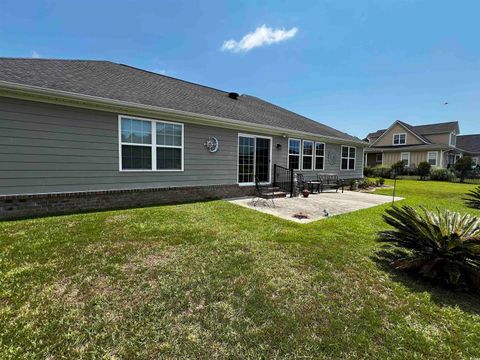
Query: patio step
x=279 y=194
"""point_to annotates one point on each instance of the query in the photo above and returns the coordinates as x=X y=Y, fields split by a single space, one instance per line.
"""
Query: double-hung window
x=150 y=145
x=399 y=139
x=319 y=156
x=294 y=154
x=348 y=158
x=433 y=158
x=307 y=155
x=405 y=157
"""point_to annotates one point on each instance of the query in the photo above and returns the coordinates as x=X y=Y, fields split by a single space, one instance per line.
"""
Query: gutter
x=37 y=93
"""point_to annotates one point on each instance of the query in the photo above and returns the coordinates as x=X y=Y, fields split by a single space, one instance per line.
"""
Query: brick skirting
x=25 y=206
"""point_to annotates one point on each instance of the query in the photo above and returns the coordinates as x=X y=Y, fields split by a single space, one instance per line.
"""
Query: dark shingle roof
x=437 y=128
x=421 y=130
x=121 y=82
x=376 y=134
x=469 y=143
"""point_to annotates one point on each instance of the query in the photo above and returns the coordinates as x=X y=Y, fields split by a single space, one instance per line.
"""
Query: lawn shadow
x=440 y=295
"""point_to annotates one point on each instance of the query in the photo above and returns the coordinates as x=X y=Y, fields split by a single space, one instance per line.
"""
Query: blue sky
x=354 y=65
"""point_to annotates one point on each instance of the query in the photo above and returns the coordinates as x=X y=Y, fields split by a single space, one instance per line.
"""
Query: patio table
x=312 y=184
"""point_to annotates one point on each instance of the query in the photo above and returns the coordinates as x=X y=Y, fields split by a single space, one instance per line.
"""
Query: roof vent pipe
x=233 y=95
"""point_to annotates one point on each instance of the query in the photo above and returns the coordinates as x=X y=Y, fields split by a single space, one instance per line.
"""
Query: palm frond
x=440 y=245
x=473 y=198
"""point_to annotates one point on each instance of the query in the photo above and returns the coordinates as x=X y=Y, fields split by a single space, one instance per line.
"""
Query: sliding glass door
x=254 y=158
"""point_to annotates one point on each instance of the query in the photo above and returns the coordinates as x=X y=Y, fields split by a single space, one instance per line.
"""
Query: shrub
x=442 y=175
x=440 y=246
x=473 y=198
x=365 y=184
x=399 y=167
x=411 y=170
x=368 y=171
x=423 y=169
x=380 y=182
x=463 y=166
x=382 y=171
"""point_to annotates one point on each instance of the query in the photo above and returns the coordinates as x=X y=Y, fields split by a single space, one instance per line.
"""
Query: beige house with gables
x=437 y=144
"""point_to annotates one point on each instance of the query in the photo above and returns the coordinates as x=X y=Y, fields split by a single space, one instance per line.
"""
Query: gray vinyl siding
x=48 y=148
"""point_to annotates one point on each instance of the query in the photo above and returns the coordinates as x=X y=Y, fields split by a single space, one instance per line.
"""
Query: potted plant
x=305 y=193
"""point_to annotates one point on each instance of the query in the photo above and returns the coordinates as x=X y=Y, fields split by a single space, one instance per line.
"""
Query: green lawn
x=213 y=280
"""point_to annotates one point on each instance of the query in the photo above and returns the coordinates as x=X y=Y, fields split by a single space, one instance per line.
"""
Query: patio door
x=254 y=158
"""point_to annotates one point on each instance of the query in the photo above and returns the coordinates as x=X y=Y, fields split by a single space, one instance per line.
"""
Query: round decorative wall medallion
x=211 y=144
x=332 y=157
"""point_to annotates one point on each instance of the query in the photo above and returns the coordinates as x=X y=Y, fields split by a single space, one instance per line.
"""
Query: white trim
x=315 y=155
x=310 y=156
x=450 y=139
x=348 y=158
x=254 y=158
x=391 y=126
x=153 y=145
x=376 y=160
x=436 y=157
x=21 y=91
x=399 y=135
x=408 y=156
x=299 y=154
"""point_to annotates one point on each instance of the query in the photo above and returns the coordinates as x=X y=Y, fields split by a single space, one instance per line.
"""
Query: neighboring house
x=471 y=145
x=80 y=135
x=437 y=144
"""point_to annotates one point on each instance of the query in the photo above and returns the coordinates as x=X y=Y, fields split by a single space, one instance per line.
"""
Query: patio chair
x=263 y=192
x=307 y=184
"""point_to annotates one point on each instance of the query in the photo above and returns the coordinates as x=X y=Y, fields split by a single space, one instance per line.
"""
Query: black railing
x=283 y=178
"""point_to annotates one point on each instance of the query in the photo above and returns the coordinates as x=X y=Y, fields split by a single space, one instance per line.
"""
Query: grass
x=213 y=280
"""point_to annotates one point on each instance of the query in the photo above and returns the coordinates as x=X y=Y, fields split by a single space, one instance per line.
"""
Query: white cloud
x=262 y=35
x=35 y=54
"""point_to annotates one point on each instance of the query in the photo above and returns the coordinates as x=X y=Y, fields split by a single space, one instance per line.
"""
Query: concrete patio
x=316 y=206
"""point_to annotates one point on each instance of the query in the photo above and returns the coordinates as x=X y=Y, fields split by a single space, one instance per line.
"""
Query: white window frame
x=315 y=156
x=436 y=157
x=348 y=158
x=408 y=158
x=376 y=158
x=299 y=154
x=310 y=156
x=399 y=143
x=450 y=139
x=153 y=145
x=254 y=158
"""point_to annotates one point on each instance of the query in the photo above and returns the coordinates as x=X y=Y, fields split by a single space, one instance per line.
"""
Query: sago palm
x=473 y=198
x=439 y=245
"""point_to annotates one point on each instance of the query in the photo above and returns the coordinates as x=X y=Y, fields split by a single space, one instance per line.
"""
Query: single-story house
x=82 y=135
x=439 y=144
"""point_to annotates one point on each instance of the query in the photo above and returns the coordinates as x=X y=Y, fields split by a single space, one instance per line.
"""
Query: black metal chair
x=263 y=192
x=307 y=184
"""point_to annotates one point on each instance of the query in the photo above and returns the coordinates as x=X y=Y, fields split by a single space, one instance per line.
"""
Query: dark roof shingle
x=469 y=143
x=125 y=83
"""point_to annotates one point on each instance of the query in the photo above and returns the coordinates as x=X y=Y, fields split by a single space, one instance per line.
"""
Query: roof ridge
x=438 y=123
x=51 y=59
